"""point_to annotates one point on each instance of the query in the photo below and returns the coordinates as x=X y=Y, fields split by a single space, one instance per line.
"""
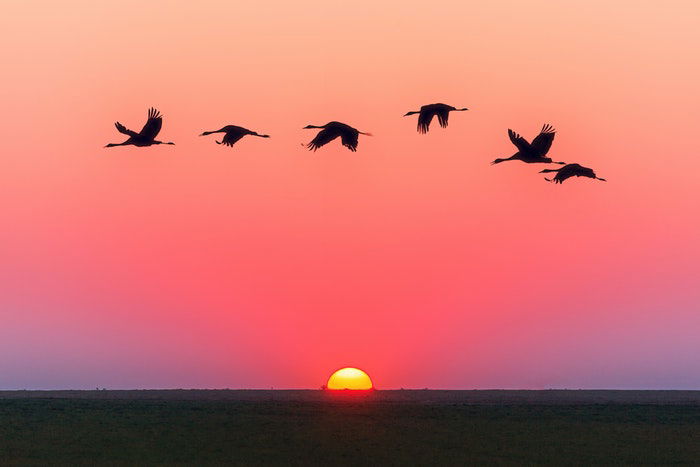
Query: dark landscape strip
x=476 y=397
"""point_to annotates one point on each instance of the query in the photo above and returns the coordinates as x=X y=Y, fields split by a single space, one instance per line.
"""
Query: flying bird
x=147 y=135
x=571 y=170
x=233 y=134
x=331 y=131
x=532 y=152
x=427 y=112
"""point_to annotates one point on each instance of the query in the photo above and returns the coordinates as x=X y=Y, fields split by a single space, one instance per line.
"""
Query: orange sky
x=413 y=259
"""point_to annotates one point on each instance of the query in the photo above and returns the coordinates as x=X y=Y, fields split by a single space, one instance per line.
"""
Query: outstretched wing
x=231 y=137
x=424 y=119
x=519 y=142
x=350 y=139
x=543 y=141
x=122 y=129
x=443 y=115
x=568 y=171
x=323 y=137
x=152 y=127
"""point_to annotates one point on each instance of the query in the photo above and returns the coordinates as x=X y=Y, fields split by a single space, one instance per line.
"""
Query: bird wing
x=543 y=141
x=567 y=171
x=519 y=142
x=581 y=171
x=323 y=137
x=122 y=129
x=152 y=127
x=350 y=139
x=231 y=137
x=443 y=115
x=424 y=119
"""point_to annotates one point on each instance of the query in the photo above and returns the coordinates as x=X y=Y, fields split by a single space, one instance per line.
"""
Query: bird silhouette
x=427 y=112
x=331 y=131
x=532 y=152
x=233 y=134
x=147 y=135
x=571 y=170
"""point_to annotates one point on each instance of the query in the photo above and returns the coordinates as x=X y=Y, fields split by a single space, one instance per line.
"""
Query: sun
x=349 y=378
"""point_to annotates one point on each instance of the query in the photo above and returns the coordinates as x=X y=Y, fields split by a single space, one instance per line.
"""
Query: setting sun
x=349 y=378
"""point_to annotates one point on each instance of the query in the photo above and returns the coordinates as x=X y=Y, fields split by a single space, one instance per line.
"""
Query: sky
x=266 y=265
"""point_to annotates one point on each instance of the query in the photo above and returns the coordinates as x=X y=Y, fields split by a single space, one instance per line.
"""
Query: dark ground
x=377 y=428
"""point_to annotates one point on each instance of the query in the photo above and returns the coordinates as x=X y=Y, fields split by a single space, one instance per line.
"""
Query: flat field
x=411 y=427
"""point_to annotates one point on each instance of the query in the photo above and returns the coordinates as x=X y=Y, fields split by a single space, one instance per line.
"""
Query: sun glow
x=349 y=378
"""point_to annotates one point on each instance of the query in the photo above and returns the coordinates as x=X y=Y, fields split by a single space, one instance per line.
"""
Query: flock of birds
x=528 y=152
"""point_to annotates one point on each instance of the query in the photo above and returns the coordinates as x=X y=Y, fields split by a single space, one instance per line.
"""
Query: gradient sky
x=267 y=265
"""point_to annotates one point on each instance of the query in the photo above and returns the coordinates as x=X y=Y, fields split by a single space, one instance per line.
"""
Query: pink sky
x=266 y=265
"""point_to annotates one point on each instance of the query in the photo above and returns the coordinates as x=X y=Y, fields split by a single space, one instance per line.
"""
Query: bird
x=331 y=131
x=571 y=170
x=147 y=135
x=233 y=134
x=534 y=152
x=427 y=112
